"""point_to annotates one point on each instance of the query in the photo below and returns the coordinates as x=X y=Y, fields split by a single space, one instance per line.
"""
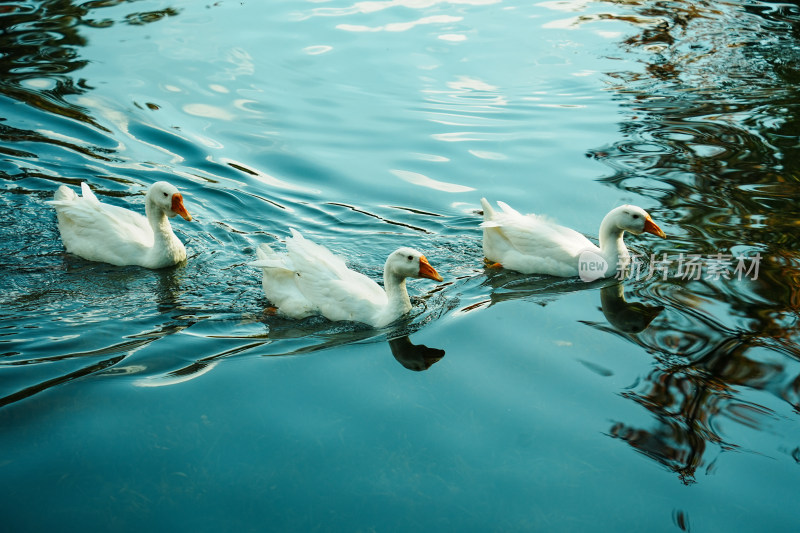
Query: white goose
x=531 y=244
x=310 y=280
x=111 y=234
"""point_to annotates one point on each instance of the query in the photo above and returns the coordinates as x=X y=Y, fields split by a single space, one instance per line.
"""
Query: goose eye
x=410 y=257
x=165 y=195
x=635 y=216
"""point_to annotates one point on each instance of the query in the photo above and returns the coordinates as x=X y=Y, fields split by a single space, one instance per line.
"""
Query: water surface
x=170 y=399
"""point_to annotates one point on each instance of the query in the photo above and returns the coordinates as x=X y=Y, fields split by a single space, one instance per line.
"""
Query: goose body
x=532 y=244
x=110 y=234
x=310 y=280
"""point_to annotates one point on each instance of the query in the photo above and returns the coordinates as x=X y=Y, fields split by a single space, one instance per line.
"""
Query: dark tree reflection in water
x=711 y=132
x=38 y=40
x=40 y=60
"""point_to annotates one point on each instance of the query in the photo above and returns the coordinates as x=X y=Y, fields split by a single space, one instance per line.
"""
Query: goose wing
x=279 y=281
x=323 y=278
x=98 y=231
x=532 y=243
x=538 y=235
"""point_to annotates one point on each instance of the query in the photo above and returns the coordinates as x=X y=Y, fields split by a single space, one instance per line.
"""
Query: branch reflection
x=711 y=134
x=41 y=50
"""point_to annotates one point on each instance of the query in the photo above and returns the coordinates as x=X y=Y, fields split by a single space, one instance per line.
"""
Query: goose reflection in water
x=415 y=357
x=287 y=337
x=624 y=317
x=627 y=317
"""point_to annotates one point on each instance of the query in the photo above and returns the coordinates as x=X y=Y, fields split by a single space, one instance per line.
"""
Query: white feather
x=533 y=244
x=309 y=279
x=110 y=234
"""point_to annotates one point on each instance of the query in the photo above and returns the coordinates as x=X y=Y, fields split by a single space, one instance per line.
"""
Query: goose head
x=165 y=197
x=634 y=220
x=410 y=263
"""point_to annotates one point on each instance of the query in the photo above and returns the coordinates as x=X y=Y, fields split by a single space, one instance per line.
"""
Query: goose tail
x=63 y=195
x=489 y=215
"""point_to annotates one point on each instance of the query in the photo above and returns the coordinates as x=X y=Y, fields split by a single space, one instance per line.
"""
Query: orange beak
x=427 y=271
x=177 y=206
x=651 y=227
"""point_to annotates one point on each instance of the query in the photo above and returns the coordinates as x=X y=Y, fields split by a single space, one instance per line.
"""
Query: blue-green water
x=170 y=400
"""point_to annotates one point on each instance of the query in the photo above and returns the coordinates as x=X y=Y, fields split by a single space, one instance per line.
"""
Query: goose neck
x=158 y=221
x=612 y=244
x=396 y=292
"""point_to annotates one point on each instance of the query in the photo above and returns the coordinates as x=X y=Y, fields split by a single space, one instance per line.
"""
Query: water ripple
x=691 y=112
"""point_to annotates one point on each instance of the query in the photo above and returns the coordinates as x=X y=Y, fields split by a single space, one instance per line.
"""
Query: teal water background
x=169 y=399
